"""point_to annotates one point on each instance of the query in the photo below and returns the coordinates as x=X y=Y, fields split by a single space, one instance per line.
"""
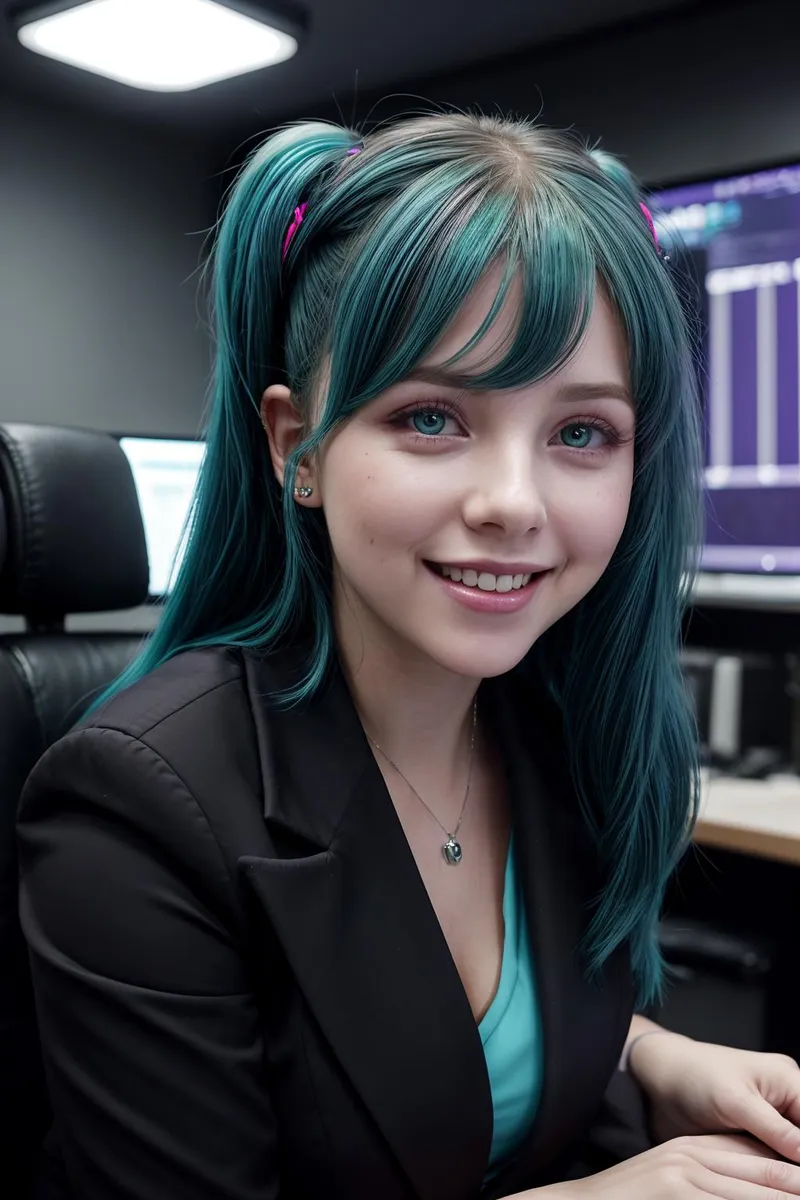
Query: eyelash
x=442 y=406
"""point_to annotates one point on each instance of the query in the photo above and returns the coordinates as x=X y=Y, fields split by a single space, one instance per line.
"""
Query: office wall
x=690 y=94
x=101 y=233
x=712 y=89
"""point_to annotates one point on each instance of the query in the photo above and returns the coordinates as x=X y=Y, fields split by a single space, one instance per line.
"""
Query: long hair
x=393 y=240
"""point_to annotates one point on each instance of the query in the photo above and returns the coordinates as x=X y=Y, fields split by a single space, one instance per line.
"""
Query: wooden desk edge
x=780 y=846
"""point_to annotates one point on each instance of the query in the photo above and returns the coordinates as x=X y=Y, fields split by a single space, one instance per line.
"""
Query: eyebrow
x=436 y=375
x=571 y=393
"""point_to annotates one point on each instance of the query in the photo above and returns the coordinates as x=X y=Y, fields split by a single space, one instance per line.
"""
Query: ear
x=284 y=427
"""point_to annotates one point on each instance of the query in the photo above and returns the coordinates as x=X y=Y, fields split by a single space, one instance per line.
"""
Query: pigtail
x=628 y=185
x=618 y=173
x=253 y=566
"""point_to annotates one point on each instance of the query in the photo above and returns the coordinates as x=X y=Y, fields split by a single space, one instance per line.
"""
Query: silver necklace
x=451 y=849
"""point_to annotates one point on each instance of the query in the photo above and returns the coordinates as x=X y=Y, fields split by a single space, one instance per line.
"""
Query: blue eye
x=584 y=432
x=579 y=443
x=428 y=420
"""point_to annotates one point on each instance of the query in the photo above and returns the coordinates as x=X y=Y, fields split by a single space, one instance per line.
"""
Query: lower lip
x=490 y=602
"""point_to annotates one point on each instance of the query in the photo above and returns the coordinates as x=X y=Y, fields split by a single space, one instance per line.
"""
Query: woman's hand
x=689 y=1168
x=699 y=1088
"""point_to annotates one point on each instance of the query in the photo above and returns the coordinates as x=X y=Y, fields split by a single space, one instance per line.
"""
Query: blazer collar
x=344 y=896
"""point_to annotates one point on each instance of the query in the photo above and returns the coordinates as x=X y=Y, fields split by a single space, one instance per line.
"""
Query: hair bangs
x=417 y=265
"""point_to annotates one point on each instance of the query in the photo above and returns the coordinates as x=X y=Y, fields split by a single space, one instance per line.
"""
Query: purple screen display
x=742 y=241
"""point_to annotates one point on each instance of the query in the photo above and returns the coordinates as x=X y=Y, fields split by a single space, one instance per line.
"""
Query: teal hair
x=392 y=242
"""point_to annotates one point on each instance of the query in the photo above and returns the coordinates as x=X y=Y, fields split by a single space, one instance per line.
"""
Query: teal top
x=511 y=1032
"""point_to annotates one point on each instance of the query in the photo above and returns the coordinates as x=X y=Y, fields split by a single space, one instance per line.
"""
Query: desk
x=759 y=817
x=748 y=883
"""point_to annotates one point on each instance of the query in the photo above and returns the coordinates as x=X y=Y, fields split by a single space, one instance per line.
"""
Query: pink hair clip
x=649 y=218
x=299 y=213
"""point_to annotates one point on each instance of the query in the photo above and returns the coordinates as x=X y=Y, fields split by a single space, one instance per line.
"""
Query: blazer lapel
x=583 y=1024
x=344 y=897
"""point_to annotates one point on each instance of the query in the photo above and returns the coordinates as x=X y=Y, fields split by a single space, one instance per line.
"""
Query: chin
x=474 y=661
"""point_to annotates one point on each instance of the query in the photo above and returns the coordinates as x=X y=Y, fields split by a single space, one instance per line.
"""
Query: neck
x=418 y=713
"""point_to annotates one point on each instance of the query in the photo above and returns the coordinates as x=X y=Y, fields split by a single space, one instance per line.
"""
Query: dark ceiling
x=383 y=44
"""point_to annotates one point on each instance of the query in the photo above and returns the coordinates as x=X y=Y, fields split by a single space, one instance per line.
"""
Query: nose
x=504 y=494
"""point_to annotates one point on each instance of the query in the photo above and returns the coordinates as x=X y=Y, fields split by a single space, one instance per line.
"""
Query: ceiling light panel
x=158 y=45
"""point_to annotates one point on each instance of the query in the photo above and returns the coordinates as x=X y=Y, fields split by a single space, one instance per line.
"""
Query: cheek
x=373 y=504
x=592 y=518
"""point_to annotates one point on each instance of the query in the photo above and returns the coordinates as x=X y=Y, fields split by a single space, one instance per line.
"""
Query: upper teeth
x=485 y=580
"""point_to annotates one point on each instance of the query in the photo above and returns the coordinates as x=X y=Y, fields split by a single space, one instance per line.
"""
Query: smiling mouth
x=484 y=581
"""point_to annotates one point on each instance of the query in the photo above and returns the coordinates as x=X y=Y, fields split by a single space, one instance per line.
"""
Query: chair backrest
x=71 y=541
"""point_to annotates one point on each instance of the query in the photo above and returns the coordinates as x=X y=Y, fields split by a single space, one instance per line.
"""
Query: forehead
x=602 y=350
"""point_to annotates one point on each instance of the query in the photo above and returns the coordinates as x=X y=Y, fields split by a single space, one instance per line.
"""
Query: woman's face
x=464 y=524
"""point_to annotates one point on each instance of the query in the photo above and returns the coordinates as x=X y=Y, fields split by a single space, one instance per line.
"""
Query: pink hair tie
x=299 y=213
x=650 y=222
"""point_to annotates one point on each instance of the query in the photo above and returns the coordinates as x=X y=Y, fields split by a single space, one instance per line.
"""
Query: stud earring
x=304 y=492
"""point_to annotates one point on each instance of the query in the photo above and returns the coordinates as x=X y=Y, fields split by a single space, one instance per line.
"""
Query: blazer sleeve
x=148 y=1020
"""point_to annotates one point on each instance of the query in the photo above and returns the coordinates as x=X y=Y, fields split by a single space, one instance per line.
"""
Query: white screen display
x=165 y=473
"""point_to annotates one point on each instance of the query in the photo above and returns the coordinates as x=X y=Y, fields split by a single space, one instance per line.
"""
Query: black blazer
x=242 y=987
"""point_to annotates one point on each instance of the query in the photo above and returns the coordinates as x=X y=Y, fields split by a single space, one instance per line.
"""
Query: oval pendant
x=452 y=852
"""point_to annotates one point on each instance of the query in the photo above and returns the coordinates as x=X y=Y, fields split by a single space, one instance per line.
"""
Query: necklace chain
x=451 y=836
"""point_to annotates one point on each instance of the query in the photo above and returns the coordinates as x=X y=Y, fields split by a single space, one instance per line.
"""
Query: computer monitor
x=165 y=472
x=742 y=246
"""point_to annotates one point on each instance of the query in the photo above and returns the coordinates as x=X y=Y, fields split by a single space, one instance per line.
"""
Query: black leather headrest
x=74 y=527
x=3 y=537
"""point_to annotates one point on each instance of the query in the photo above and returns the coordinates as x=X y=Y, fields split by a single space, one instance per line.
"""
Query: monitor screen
x=165 y=472
x=742 y=241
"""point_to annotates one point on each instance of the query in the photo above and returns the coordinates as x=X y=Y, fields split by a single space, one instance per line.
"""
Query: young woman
x=350 y=889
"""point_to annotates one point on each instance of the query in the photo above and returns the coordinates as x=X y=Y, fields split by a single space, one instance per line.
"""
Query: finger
x=734 y=1189
x=742 y=1172
x=738 y=1143
x=759 y=1117
x=791 y=1074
